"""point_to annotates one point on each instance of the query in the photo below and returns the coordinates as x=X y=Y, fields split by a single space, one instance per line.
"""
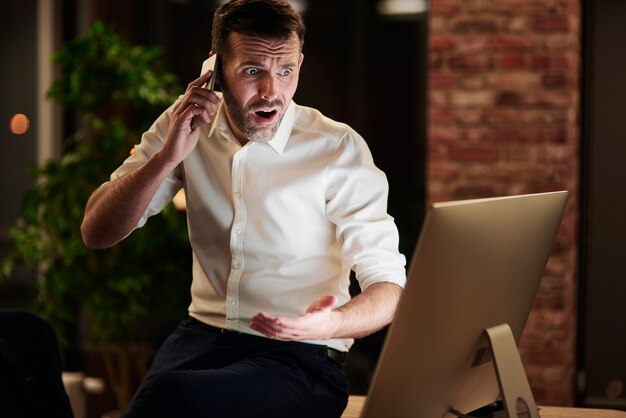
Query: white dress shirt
x=274 y=226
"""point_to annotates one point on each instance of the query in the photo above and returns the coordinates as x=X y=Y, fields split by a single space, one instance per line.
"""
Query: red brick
x=574 y=7
x=553 y=300
x=512 y=62
x=554 y=396
x=473 y=191
x=437 y=98
x=443 y=171
x=474 y=81
x=553 y=280
x=437 y=154
x=476 y=24
x=547 y=357
x=558 y=80
x=516 y=170
x=530 y=135
x=562 y=243
x=471 y=62
x=556 y=99
x=549 y=374
x=473 y=153
x=438 y=24
x=438 y=116
x=519 y=24
x=435 y=61
x=441 y=43
x=552 y=24
x=554 y=154
x=439 y=135
x=557 y=8
x=517 y=154
x=509 y=98
x=436 y=80
x=476 y=135
x=551 y=319
x=552 y=61
x=469 y=117
x=543 y=117
x=518 y=135
x=509 y=42
x=444 y=8
x=471 y=98
x=555 y=135
x=517 y=7
x=518 y=80
x=470 y=44
x=569 y=41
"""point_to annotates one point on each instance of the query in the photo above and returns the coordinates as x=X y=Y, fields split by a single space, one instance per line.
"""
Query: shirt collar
x=278 y=143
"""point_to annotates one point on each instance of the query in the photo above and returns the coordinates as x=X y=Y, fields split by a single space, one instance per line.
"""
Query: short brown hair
x=273 y=19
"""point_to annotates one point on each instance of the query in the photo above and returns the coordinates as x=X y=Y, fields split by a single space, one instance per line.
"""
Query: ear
x=301 y=59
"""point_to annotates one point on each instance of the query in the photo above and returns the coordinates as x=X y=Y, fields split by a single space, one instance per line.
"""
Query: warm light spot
x=180 y=202
x=132 y=151
x=19 y=124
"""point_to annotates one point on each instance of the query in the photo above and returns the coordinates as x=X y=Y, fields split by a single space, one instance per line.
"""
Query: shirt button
x=236 y=265
x=237 y=195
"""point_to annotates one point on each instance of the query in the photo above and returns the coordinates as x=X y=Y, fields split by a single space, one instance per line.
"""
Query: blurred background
x=456 y=99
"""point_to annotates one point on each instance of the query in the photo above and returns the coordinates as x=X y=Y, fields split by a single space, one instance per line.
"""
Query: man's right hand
x=197 y=107
x=116 y=207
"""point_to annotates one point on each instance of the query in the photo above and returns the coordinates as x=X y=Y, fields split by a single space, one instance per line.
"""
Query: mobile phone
x=210 y=64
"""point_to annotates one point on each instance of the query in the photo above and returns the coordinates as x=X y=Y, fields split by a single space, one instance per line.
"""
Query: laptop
x=477 y=267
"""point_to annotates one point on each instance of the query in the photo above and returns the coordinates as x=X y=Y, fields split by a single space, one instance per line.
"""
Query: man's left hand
x=319 y=322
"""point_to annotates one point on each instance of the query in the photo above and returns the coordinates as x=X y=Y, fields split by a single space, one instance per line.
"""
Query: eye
x=286 y=72
x=252 y=71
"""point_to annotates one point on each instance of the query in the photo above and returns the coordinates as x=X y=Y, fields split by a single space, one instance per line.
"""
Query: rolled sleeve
x=357 y=204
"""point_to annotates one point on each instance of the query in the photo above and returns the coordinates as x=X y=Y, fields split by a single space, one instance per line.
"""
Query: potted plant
x=116 y=296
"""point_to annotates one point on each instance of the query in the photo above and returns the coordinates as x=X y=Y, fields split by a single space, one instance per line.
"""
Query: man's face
x=259 y=79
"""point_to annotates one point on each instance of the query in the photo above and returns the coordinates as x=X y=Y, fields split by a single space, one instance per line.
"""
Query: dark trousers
x=203 y=372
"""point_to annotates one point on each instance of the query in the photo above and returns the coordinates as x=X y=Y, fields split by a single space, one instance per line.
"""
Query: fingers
x=204 y=103
x=267 y=325
x=197 y=107
x=188 y=116
x=324 y=303
x=197 y=94
x=202 y=80
x=318 y=322
x=286 y=329
x=308 y=326
x=181 y=138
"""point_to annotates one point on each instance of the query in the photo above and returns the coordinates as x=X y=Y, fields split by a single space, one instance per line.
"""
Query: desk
x=355 y=404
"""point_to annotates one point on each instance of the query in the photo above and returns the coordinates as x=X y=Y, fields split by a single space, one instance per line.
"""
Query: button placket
x=236 y=241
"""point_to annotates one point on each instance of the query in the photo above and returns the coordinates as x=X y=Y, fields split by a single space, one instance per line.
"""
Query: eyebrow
x=254 y=63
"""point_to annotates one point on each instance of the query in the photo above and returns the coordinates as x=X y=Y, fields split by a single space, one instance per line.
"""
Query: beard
x=240 y=117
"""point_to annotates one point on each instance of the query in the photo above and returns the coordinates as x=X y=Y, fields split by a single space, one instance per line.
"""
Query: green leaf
x=118 y=89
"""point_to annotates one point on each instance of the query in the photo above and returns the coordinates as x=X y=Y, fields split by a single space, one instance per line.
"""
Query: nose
x=267 y=87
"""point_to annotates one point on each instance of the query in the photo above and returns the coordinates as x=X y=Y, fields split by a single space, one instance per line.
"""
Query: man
x=281 y=203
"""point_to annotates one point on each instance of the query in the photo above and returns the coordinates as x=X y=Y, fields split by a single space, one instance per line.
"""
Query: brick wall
x=503 y=119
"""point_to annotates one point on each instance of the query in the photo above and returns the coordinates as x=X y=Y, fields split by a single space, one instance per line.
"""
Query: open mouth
x=265 y=114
